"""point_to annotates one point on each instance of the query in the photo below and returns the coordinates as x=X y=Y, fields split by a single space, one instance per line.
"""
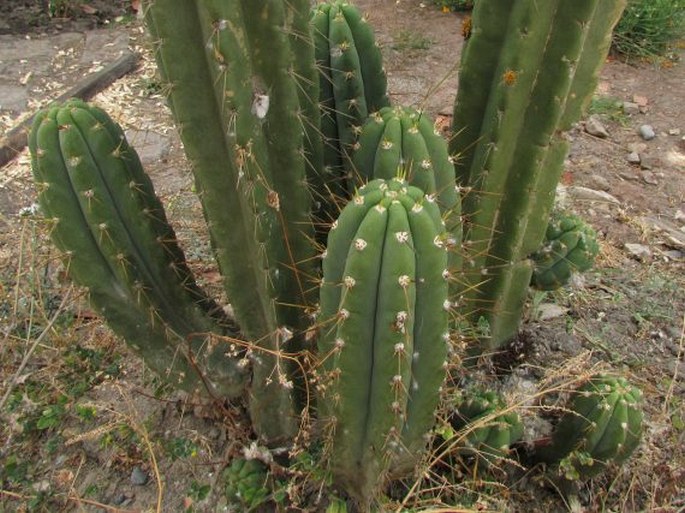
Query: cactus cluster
x=570 y=246
x=384 y=329
x=489 y=434
x=603 y=426
x=247 y=483
x=284 y=115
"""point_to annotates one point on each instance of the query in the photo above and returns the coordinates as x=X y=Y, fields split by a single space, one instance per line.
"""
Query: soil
x=627 y=314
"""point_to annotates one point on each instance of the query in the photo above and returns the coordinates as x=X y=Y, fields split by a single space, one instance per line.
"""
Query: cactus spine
x=603 y=426
x=111 y=225
x=383 y=340
x=509 y=138
x=570 y=246
x=234 y=79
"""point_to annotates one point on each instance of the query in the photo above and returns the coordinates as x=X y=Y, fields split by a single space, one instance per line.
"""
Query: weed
x=408 y=40
x=650 y=28
x=608 y=108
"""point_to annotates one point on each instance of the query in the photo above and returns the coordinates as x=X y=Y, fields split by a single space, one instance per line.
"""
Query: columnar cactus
x=602 y=426
x=570 y=246
x=118 y=244
x=489 y=434
x=383 y=342
x=352 y=84
x=527 y=70
x=241 y=80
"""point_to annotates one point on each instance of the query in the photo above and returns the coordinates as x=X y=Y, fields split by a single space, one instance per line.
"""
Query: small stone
x=679 y=216
x=600 y=183
x=119 y=499
x=639 y=251
x=674 y=255
x=138 y=476
x=548 y=311
x=674 y=131
x=647 y=132
x=640 y=100
x=630 y=108
x=593 y=126
x=633 y=158
x=637 y=147
x=628 y=176
x=682 y=143
x=646 y=162
x=585 y=194
x=649 y=178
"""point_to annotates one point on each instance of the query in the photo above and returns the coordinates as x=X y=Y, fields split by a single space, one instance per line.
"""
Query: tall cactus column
x=383 y=339
x=539 y=63
x=233 y=89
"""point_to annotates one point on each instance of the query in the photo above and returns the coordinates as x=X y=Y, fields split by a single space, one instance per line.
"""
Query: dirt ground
x=86 y=428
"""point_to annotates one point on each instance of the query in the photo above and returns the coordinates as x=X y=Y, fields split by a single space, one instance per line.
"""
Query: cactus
x=384 y=313
x=603 y=426
x=403 y=141
x=488 y=435
x=352 y=85
x=108 y=221
x=570 y=246
x=241 y=77
x=247 y=483
x=509 y=129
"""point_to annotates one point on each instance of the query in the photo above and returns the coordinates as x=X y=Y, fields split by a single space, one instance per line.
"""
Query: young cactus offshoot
x=603 y=426
x=383 y=340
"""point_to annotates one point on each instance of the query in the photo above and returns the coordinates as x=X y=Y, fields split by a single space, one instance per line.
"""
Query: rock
x=682 y=143
x=628 y=176
x=674 y=131
x=641 y=101
x=631 y=108
x=639 y=251
x=675 y=237
x=637 y=147
x=674 y=255
x=150 y=146
x=646 y=162
x=649 y=178
x=679 y=216
x=594 y=126
x=547 y=311
x=633 y=158
x=599 y=182
x=138 y=476
x=585 y=194
x=647 y=132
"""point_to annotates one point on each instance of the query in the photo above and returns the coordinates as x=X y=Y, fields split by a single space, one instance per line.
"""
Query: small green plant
x=408 y=40
x=609 y=108
x=247 y=483
x=63 y=8
x=650 y=28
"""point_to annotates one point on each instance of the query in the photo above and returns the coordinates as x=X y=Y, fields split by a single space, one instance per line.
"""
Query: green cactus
x=352 y=85
x=403 y=141
x=527 y=70
x=247 y=483
x=489 y=435
x=113 y=231
x=241 y=76
x=603 y=426
x=383 y=341
x=570 y=246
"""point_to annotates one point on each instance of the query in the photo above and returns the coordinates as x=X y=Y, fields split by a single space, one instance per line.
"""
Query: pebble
x=646 y=162
x=599 y=182
x=633 y=158
x=647 y=132
x=631 y=108
x=637 y=147
x=138 y=476
x=585 y=194
x=594 y=126
x=548 y=311
x=649 y=178
x=674 y=131
x=627 y=176
x=640 y=251
x=674 y=255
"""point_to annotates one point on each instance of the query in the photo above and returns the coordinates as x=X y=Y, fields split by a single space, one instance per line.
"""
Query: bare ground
x=81 y=414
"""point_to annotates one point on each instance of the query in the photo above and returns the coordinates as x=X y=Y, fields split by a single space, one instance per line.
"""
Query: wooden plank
x=16 y=139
